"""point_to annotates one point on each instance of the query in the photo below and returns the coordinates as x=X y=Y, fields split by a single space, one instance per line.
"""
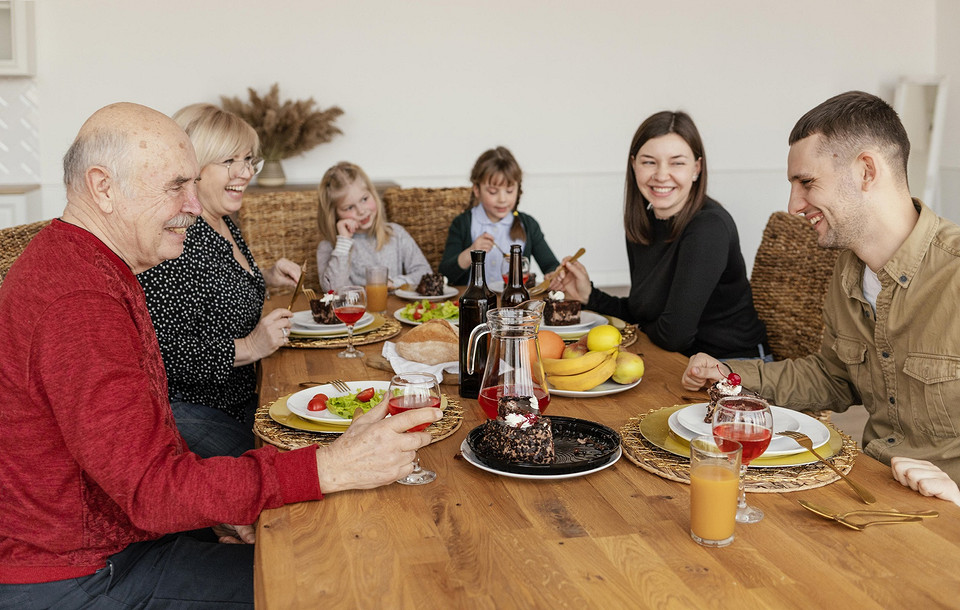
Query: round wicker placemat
x=662 y=463
x=391 y=328
x=283 y=437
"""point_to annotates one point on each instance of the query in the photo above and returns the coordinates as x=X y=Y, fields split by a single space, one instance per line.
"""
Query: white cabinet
x=16 y=38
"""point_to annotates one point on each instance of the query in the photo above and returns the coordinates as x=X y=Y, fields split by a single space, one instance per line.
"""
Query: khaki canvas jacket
x=903 y=364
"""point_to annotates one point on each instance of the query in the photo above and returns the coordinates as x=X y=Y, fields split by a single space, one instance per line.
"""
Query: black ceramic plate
x=580 y=445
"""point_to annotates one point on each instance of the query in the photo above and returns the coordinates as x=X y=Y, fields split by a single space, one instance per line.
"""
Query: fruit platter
x=594 y=365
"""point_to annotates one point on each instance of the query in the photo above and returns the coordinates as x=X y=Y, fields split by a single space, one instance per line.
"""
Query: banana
x=589 y=379
x=574 y=366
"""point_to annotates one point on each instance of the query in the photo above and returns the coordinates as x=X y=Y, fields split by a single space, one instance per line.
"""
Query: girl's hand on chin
x=347 y=227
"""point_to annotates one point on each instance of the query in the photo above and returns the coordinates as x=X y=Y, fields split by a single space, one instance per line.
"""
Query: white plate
x=779 y=445
x=413 y=295
x=605 y=388
x=303 y=324
x=470 y=457
x=588 y=320
x=297 y=403
x=692 y=419
x=397 y=315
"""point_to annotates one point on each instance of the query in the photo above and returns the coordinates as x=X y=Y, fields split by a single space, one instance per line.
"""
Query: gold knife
x=293 y=299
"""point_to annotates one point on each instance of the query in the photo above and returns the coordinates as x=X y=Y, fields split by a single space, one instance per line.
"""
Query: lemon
x=601 y=338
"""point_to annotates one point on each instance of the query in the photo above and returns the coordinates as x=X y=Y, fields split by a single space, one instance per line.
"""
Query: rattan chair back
x=12 y=242
x=282 y=224
x=426 y=214
x=790 y=277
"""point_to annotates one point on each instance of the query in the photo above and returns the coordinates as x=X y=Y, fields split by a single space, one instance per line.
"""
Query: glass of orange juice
x=376 y=289
x=714 y=483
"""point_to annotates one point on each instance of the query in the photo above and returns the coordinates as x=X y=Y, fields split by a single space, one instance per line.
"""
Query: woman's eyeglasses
x=235 y=167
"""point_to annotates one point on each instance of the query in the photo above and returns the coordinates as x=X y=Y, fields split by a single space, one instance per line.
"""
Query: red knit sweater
x=90 y=457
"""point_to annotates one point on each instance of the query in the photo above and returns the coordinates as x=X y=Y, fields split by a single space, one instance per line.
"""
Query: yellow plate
x=282 y=415
x=378 y=321
x=655 y=429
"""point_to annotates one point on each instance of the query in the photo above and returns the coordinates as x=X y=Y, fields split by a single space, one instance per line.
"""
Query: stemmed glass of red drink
x=349 y=305
x=414 y=391
x=748 y=421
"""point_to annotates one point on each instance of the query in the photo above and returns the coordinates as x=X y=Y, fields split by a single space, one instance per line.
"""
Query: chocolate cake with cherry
x=322 y=310
x=431 y=285
x=725 y=387
x=558 y=312
x=519 y=434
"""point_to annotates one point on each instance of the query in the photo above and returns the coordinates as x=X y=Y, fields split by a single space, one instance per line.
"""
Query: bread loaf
x=432 y=342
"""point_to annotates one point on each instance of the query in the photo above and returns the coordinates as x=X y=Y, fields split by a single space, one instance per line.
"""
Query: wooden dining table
x=616 y=538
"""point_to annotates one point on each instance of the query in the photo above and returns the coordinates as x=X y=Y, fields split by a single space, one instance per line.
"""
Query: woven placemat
x=662 y=463
x=283 y=437
x=391 y=328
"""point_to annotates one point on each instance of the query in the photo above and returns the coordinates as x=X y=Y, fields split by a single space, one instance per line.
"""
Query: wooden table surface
x=616 y=538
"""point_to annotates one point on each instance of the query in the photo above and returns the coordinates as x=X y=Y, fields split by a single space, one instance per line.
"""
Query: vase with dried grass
x=285 y=128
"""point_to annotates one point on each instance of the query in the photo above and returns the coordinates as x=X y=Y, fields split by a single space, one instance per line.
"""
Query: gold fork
x=339 y=384
x=804 y=441
x=310 y=294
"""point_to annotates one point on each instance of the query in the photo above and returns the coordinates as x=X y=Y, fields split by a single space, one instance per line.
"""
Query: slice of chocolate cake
x=519 y=434
x=322 y=310
x=558 y=312
x=725 y=387
x=431 y=285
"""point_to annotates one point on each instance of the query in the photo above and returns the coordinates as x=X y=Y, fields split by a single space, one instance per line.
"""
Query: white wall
x=428 y=85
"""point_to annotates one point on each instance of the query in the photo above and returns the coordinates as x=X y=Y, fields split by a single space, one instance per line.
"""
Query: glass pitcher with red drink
x=513 y=366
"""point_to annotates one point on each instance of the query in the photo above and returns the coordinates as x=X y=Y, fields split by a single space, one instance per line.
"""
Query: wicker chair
x=426 y=214
x=12 y=242
x=282 y=224
x=790 y=277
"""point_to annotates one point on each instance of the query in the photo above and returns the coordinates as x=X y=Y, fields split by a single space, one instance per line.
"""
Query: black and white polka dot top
x=199 y=303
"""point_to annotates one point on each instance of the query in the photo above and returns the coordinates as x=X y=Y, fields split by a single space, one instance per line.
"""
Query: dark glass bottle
x=515 y=292
x=476 y=301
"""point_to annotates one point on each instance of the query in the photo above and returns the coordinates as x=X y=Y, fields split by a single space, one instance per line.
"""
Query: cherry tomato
x=433 y=305
x=457 y=302
x=365 y=395
x=317 y=403
x=417 y=315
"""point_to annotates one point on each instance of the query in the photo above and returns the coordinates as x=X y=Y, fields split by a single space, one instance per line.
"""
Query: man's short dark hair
x=853 y=122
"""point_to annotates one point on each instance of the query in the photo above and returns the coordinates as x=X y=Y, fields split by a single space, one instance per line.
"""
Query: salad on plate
x=418 y=312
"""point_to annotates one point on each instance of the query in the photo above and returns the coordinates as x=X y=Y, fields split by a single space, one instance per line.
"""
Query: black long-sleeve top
x=692 y=294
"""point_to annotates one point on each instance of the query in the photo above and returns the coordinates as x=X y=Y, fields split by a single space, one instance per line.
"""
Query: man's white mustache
x=181 y=221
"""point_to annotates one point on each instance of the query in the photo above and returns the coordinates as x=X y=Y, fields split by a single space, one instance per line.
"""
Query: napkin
x=402 y=365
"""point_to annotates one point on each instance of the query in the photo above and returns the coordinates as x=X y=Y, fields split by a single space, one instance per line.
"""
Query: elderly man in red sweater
x=102 y=501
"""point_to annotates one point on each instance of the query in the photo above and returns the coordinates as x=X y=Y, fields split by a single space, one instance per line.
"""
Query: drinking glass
x=414 y=391
x=376 y=288
x=748 y=421
x=713 y=490
x=349 y=305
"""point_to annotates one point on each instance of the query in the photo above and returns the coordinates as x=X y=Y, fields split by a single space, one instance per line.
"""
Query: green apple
x=629 y=368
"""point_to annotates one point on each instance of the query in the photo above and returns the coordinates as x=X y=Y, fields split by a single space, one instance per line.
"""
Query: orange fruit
x=551 y=345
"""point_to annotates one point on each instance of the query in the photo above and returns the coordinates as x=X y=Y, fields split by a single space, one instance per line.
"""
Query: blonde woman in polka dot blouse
x=206 y=305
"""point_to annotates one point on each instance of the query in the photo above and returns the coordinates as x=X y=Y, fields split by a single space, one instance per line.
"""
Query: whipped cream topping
x=556 y=295
x=327 y=298
x=727 y=388
x=516 y=420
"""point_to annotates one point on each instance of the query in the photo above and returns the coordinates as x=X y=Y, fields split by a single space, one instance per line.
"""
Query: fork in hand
x=804 y=441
